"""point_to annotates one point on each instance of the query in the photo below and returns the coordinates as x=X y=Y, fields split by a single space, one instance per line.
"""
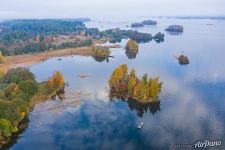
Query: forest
x=129 y=86
x=19 y=91
x=39 y=35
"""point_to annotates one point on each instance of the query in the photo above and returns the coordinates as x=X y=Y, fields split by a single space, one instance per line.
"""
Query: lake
x=192 y=101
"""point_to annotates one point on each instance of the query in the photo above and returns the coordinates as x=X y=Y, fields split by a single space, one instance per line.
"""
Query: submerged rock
x=175 y=28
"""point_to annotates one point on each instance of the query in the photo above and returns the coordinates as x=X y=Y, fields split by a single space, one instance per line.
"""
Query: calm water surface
x=192 y=102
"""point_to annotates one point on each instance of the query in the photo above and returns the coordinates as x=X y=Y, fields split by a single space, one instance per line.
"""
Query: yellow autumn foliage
x=2 y=72
x=118 y=74
x=56 y=81
x=1 y=57
x=132 y=45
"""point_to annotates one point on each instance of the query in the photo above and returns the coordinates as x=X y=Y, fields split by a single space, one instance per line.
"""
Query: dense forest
x=129 y=86
x=19 y=91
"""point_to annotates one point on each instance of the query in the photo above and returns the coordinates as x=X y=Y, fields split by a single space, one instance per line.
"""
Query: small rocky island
x=183 y=60
x=175 y=28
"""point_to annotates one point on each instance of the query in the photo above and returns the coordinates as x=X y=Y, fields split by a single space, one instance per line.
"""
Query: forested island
x=143 y=23
x=129 y=86
x=19 y=92
x=100 y=53
x=132 y=46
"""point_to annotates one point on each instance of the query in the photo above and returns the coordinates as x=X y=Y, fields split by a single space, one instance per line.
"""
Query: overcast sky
x=11 y=9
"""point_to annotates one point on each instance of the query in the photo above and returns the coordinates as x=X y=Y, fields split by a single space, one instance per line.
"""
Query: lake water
x=192 y=101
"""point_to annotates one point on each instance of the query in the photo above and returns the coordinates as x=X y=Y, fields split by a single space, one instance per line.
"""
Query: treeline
x=43 y=26
x=18 y=91
x=26 y=29
x=42 y=46
x=117 y=34
x=128 y=86
x=24 y=36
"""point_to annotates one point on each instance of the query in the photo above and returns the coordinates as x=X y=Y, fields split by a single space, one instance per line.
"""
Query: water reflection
x=101 y=59
x=140 y=108
x=131 y=55
x=174 y=33
x=159 y=40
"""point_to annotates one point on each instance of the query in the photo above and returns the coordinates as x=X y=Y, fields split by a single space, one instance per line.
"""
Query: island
x=183 y=60
x=175 y=28
x=100 y=53
x=137 y=25
x=143 y=23
x=159 y=37
x=132 y=46
x=19 y=92
x=129 y=86
x=149 y=22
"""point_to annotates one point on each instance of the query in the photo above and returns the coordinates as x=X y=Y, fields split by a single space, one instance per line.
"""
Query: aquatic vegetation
x=132 y=46
x=128 y=86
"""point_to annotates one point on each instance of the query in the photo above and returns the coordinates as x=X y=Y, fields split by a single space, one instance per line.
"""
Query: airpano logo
x=207 y=143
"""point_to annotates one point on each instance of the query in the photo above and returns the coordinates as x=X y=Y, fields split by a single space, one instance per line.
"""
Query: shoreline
x=28 y=60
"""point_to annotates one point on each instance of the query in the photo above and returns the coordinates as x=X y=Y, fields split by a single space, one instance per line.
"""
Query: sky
x=17 y=9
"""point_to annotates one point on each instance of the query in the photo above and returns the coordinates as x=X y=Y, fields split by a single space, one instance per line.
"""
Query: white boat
x=140 y=125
